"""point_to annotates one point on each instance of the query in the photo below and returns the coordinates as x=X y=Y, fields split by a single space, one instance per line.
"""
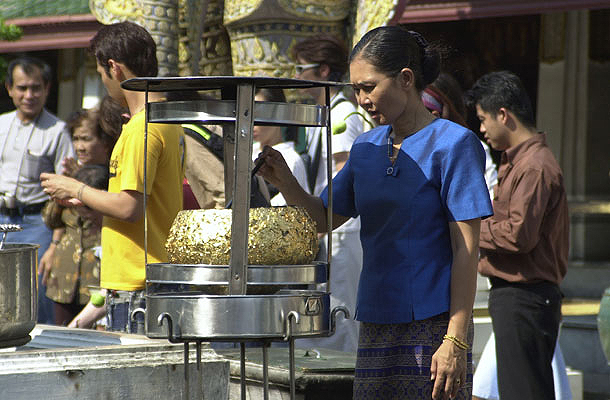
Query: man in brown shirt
x=524 y=245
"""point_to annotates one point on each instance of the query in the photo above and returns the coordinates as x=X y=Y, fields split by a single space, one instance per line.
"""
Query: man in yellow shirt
x=123 y=51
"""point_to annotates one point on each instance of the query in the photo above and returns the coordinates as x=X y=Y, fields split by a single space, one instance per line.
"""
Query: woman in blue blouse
x=417 y=183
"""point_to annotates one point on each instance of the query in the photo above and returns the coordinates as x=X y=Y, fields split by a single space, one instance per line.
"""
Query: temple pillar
x=571 y=83
x=263 y=32
x=159 y=17
x=572 y=109
x=215 y=44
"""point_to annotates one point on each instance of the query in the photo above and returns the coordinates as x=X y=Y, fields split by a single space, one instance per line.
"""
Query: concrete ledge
x=576 y=383
x=136 y=372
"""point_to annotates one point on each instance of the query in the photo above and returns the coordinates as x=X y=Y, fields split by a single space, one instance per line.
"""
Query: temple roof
x=48 y=24
x=417 y=11
x=13 y=9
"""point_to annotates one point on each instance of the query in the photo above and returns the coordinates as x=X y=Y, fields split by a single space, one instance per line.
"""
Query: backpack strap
x=215 y=144
x=209 y=139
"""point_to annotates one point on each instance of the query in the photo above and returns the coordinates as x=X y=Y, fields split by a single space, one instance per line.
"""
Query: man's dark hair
x=28 y=64
x=502 y=89
x=324 y=49
x=127 y=43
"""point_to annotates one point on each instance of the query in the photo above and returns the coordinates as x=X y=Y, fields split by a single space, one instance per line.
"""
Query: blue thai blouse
x=405 y=210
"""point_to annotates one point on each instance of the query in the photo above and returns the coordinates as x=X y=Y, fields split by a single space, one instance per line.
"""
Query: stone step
x=586 y=279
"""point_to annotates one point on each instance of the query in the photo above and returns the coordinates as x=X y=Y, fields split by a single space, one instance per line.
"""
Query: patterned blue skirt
x=394 y=360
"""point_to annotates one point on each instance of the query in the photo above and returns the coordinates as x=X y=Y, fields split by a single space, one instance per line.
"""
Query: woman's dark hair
x=502 y=89
x=450 y=87
x=392 y=48
x=127 y=43
x=289 y=133
x=76 y=119
x=112 y=117
x=28 y=64
x=185 y=95
x=273 y=95
x=93 y=116
x=94 y=175
x=324 y=49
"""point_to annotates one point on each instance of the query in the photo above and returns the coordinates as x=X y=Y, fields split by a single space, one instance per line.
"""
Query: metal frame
x=243 y=112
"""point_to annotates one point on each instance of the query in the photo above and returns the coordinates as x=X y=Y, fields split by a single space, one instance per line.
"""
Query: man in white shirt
x=32 y=141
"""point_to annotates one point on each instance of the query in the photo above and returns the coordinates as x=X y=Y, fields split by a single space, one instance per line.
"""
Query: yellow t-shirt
x=122 y=265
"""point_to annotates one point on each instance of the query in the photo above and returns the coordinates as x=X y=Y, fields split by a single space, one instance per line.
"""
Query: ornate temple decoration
x=237 y=9
x=215 y=44
x=263 y=32
x=111 y=11
x=190 y=26
x=159 y=17
x=320 y=10
x=241 y=37
x=264 y=49
x=203 y=47
x=371 y=14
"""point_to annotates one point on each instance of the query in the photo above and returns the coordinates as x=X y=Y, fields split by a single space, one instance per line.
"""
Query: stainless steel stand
x=293 y=309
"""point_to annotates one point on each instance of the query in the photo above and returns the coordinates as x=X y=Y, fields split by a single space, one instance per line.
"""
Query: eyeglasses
x=300 y=68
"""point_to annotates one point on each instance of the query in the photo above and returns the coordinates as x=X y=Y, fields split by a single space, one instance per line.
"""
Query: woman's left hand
x=448 y=370
x=70 y=165
x=46 y=263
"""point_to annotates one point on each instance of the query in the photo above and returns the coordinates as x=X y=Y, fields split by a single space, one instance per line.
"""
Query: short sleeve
x=463 y=189
x=343 y=193
x=133 y=164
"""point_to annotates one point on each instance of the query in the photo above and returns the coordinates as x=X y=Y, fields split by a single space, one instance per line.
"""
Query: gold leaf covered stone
x=276 y=236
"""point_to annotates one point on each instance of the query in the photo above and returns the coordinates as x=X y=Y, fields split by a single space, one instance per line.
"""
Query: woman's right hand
x=274 y=169
x=46 y=263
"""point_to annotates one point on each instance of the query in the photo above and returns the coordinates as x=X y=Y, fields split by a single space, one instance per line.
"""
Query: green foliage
x=7 y=32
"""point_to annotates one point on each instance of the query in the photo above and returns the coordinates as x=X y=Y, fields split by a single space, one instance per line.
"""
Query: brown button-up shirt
x=526 y=240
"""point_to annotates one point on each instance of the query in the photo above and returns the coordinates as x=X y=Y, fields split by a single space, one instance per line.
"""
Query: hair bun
x=421 y=41
x=430 y=58
x=431 y=65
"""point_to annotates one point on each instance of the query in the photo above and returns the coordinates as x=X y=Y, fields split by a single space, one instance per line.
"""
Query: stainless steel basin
x=18 y=293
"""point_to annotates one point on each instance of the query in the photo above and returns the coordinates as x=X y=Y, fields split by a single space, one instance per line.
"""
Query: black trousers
x=525 y=319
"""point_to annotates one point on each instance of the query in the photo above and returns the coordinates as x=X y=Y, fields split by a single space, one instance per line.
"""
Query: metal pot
x=18 y=293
